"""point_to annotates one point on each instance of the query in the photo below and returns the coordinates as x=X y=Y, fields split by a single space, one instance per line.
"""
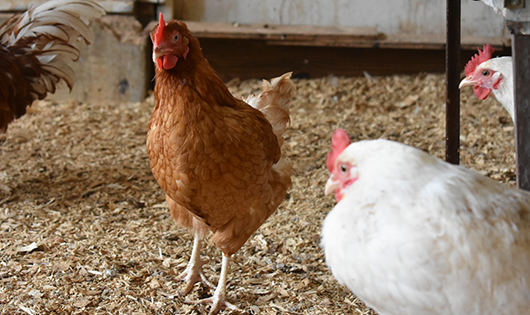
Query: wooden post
x=452 y=73
x=521 y=70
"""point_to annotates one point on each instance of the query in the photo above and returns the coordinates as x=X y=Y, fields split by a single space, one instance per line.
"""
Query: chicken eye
x=485 y=73
x=176 y=38
x=343 y=169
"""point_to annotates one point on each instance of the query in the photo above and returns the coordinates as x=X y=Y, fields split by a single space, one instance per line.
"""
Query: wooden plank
x=438 y=41
x=301 y=34
x=334 y=36
x=452 y=79
x=256 y=59
x=251 y=59
x=521 y=66
x=406 y=41
x=248 y=59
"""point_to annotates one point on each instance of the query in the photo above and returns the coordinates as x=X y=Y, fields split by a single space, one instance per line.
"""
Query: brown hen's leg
x=193 y=272
x=218 y=300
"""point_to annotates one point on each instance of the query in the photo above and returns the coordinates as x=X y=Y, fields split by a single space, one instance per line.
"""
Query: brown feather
x=216 y=157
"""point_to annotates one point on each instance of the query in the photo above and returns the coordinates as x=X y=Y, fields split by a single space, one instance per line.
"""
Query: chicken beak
x=466 y=82
x=331 y=185
x=157 y=53
x=164 y=59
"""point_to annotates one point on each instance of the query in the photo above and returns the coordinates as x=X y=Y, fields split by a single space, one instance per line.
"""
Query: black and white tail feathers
x=35 y=49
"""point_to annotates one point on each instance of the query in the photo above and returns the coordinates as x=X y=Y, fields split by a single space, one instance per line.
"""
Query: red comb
x=339 y=141
x=160 y=31
x=479 y=58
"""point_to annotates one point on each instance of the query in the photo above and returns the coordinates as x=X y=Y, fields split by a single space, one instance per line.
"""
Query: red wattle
x=169 y=61
x=338 y=195
x=481 y=92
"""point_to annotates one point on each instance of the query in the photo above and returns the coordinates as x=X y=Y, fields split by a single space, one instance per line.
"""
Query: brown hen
x=217 y=158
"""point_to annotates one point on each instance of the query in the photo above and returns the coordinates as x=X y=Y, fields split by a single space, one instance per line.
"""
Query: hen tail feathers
x=274 y=101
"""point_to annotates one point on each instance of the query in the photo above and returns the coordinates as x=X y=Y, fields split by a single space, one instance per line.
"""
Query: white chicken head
x=480 y=75
x=373 y=162
x=489 y=76
x=343 y=170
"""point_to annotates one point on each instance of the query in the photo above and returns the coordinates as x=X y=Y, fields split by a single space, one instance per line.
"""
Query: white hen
x=491 y=76
x=412 y=234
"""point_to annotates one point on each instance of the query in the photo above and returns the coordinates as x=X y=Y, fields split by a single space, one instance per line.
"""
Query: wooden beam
x=256 y=59
x=251 y=59
x=292 y=34
x=452 y=75
x=249 y=54
x=334 y=36
x=521 y=67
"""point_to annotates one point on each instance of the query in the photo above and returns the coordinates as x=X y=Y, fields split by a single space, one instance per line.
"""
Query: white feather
x=51 y=30
x=416 y=235
x=61 y=50
x=61 y=70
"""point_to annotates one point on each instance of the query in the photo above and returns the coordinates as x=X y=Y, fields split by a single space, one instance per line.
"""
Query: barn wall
x=118 y=64
x=422 y=17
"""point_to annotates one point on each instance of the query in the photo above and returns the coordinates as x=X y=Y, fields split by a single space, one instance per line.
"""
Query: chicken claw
x=193 y=272
x=218 y=300
x=217 y=304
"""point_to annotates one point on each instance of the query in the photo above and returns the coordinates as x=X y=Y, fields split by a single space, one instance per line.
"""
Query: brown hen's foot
x=218 y=300
x=217 y=304
x=193 y=272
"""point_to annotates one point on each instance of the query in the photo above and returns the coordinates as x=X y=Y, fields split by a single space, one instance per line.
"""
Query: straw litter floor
x=84 y=228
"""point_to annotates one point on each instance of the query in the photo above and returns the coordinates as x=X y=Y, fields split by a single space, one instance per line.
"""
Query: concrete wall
x=422 y=17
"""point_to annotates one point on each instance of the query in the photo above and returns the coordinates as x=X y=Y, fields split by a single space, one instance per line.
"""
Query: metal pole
x=452 y=78
x=521 y=70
